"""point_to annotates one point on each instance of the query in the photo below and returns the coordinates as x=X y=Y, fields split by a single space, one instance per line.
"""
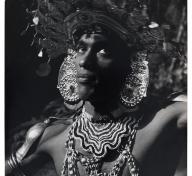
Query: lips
x=86 y=78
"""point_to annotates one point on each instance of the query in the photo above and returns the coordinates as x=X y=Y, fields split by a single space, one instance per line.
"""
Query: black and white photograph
x=96 y=87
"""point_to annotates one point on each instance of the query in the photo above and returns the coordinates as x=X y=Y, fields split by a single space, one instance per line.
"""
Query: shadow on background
x=26 y=93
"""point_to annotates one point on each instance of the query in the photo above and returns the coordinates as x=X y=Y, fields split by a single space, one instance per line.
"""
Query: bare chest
x=157 y=149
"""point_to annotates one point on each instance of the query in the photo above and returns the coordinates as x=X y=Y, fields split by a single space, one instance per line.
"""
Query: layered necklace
x=98 y=139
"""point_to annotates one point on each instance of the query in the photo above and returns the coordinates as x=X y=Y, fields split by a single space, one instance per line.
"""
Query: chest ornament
x=98 y=139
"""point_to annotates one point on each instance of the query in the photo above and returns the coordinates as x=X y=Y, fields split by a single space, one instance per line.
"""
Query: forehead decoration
x=59 y=23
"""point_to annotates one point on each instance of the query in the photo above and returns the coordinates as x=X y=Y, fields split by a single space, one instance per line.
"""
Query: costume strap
x=178 y=97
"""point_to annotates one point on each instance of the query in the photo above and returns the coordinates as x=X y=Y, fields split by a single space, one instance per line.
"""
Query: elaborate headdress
x=60 y=23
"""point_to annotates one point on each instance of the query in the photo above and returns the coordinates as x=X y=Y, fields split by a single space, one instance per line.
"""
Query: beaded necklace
x=124 y=128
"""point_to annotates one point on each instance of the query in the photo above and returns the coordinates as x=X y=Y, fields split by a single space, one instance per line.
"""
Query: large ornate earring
x=67 y=82
x=136 y=83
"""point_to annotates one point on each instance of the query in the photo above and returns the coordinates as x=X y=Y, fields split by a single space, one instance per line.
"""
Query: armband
x=15 y=160
x=14 y=166
x=32 y=135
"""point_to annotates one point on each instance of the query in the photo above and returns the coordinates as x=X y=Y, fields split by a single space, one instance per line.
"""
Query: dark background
x=27 y=88
x=26 y=92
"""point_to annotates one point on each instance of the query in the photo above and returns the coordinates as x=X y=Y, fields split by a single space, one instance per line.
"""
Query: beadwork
x=67 y=83
x=136 y=83
x=93 y=165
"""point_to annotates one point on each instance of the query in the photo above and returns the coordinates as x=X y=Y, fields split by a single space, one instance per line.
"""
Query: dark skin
x=101 y=67
x=160 y=139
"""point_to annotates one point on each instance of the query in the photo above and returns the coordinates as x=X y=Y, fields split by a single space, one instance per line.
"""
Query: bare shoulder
x=52 y=133
x=35 y=149
x=175 y=112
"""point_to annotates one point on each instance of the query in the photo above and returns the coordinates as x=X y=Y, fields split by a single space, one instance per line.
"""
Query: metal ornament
x=67 y=83
x=101 y=137
x=93 y=164
x=136 y=83
x=58 y=24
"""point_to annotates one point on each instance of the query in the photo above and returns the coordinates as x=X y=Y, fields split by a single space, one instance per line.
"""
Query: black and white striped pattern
x=98 y=138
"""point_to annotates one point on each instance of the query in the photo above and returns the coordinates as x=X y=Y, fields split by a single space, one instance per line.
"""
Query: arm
x=176 y=111
x=182 y=119
x=28 y=154
x=160 y=141
x=28 y=166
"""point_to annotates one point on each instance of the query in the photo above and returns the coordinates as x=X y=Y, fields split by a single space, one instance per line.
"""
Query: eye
x=81 y=49
x=104 y=53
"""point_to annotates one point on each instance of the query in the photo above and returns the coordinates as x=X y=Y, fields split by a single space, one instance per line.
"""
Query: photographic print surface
x=96 y=87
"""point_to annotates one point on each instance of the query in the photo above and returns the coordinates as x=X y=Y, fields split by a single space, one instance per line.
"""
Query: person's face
x=101 y=64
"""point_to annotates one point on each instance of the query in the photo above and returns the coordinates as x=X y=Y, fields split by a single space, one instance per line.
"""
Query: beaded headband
x=58 y=22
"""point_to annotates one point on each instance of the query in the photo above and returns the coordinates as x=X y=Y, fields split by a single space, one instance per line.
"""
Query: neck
x=104 y=108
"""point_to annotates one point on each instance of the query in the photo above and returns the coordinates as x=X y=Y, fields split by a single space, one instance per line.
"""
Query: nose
x=86 y=60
